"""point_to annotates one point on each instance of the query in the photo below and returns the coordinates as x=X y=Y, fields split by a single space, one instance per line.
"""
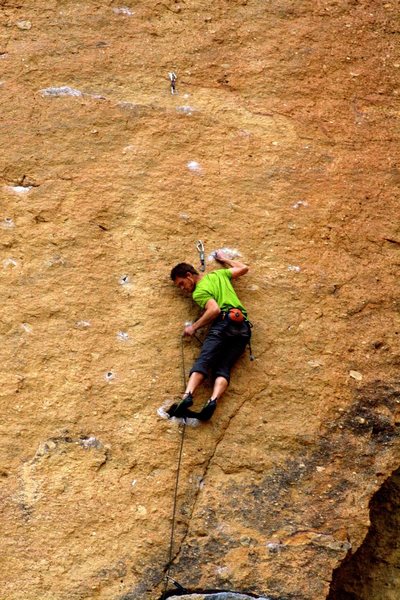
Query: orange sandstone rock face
x=281 y=141
x=371 y=571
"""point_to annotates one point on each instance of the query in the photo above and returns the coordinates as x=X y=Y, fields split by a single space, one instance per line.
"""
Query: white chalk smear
x=274 y=547
x=300 y=203
x=193 y=165
x=123 y=10
x=9 y=262
x=65 y=90
x=83 y=324
x=7 y=223
x=123 y=336
x=61 y=91
x=230 y=253
x=26 y=327
x=161 y=411
x=186 y=110
x=294 y=268
x=19 y=189
x=129 y=148
x=24 y=25
x=90 y=442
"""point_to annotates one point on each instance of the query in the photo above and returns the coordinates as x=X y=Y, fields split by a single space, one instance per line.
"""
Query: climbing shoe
x=170 y=411
x=190 y=414
x=178 y=408
x=189 y=418
x=208 y=410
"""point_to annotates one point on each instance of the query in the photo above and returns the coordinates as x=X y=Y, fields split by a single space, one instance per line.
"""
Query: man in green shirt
x=228 y=334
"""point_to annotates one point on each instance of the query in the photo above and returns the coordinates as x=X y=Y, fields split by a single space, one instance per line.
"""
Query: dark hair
x=182 y=269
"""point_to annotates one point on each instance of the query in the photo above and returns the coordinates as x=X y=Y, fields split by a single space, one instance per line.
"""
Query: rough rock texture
x=216 y=596
x=373 y=571
x=283 y=142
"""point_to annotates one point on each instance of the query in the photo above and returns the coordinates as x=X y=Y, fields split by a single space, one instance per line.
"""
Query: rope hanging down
x=178 y=469
x=171 y=544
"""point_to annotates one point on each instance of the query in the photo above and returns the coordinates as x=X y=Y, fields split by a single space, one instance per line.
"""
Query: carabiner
x=200 y=250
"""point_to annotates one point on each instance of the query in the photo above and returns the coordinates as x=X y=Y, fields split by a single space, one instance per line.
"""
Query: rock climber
x=228 y=335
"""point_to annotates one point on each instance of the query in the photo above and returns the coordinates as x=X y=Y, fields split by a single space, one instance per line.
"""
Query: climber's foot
x=208 y=410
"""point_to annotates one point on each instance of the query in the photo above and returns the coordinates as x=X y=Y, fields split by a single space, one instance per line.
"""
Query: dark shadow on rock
x=372 y=571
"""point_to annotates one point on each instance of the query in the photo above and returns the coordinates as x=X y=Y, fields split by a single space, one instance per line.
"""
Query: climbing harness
x=201 y=251
x=236 y=316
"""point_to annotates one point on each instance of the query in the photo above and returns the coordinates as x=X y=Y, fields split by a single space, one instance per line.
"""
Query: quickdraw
x=172 y=77
x=201 y=251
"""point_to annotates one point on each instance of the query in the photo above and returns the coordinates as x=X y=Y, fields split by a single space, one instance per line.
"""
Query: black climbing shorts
x=224 y=344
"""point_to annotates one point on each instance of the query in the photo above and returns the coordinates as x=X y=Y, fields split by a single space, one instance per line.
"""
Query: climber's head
x=185 y=277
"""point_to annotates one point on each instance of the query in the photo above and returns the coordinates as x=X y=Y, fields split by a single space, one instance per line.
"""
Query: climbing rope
x=178 y=469
x=183 y=362
x=171 y=543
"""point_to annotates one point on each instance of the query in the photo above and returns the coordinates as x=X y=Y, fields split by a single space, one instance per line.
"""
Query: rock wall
x=215 y=595
x=372 y=571
x=282 y=141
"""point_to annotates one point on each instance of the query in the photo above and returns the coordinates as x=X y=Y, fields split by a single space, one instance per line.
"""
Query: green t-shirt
x=217 y=286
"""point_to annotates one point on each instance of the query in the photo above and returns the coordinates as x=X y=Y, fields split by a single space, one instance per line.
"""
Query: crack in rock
x=207 y=467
